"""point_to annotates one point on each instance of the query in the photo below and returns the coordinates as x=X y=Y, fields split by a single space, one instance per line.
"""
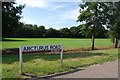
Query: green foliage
x=41 y=31
x=92 y=17
x=34 y=31
x=27 y=31
x=52 y=33
x=65 y=32
x=85 y=31
x=10 y=18
x=91 y=14
x=75 y=32
x=114 y=19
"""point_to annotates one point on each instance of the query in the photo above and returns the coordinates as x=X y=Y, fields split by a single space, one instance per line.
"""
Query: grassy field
x=43 y=64
x=67 y=42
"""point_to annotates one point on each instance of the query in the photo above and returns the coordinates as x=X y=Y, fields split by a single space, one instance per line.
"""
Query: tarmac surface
x=105 y=70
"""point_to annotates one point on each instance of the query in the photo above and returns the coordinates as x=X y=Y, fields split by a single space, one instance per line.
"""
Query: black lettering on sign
x=35 y=48
x=59 y=46
x=51 y=46
x=46 y=47
x=24 y=49
x=55 y=47
x=28 y=48
x=32 y=48
x=41 y=48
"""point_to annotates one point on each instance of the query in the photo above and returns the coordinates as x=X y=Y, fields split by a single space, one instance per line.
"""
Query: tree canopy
x=91 y=14
x=113 y=21
x=10 y=18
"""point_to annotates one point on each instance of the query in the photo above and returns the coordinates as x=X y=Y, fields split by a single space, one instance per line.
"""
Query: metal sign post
x=61 y=57
x=20 y=57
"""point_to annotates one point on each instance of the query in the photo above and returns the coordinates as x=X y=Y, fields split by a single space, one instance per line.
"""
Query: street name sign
x=39 y=49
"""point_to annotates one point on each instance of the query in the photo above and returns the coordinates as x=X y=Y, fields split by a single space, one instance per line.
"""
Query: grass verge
x=44 y=64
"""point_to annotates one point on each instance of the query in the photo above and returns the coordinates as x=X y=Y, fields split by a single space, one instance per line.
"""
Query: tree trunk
x=115 y=43
x=92 y=44
x=93 y=32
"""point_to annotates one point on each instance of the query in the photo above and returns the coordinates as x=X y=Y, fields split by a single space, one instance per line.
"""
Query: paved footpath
x=106 y=70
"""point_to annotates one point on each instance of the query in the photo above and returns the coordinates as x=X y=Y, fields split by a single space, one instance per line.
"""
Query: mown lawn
x=43 y=64
x=67 y=42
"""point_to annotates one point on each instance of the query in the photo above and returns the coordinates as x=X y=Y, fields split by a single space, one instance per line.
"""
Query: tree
x=52 y=33
x=113 y=16
x=84 y=31
x=65 y=33
x=41 y=31
x=101 y=33
x=91 y=14
x=25 y=33
x=75 y=32
x=27 y=30
x=10 y=18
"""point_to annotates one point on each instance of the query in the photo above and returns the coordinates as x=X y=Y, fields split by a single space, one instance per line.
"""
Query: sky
x=50 y=13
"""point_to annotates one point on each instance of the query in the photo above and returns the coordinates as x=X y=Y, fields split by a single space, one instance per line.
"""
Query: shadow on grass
x=4 y=39
x=8 y=59
x=53 y=75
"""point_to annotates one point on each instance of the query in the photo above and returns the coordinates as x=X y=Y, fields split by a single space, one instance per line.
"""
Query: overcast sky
x=50 y=14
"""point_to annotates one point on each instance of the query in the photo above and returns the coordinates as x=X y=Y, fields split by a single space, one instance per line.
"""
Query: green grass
x=43 y=64
x=67 y=42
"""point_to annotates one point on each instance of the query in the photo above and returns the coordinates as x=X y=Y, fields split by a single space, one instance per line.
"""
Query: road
x=106 y=70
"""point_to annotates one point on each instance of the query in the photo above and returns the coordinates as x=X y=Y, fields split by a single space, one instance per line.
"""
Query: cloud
x=27 y=20
x=45 y=4
x=49 y=0
x=56 y=7
x=70 y=14
x=33 y=3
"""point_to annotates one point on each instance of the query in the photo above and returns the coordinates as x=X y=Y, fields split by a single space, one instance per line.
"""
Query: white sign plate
x=41 y=48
